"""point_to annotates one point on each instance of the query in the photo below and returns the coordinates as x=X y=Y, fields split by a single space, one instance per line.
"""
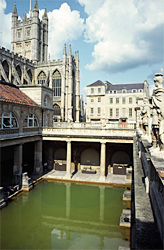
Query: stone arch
x=120 y=157
x=19 y=71
x=90 y=157
x=60 y=154
x=6 y=68
x=30 y=74
x=41 y=78
x=57 y=110
x=56 y=83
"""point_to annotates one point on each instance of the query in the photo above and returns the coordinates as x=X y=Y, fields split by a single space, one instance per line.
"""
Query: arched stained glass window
x=42 y=78
x=6 y=68
x=57 y=110
x=56 y=83
x=18 y=69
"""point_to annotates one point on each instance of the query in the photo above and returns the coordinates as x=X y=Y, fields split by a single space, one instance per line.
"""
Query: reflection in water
x=64 y=216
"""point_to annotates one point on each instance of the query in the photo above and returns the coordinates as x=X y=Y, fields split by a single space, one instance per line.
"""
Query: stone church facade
x=28 y=66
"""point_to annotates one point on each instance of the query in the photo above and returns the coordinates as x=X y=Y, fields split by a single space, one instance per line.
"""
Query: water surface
x=64 y=216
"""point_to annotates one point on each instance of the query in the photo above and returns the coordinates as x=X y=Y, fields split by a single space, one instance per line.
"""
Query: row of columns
x=102 y=160
x=18 y=158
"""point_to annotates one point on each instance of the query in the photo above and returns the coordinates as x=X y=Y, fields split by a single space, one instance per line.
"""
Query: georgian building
x=108 y=102
x=27 y=65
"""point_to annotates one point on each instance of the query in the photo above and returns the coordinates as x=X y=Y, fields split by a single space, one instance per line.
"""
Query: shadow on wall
x=60 y=154
x=120 y=157
x=90 y=157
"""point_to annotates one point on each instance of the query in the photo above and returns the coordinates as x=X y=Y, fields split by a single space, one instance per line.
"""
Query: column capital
x=103 y=141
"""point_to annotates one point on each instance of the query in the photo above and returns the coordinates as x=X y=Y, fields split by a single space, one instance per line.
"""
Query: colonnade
x=102 y=160
x=18 y=158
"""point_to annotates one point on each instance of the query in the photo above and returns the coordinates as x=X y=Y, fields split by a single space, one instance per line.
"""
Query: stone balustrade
x=90 y=130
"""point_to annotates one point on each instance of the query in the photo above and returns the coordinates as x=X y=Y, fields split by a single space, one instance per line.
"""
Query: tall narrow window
x=111 y=112
x=130 y=112
x=117 y=100
x=117 y=112
x=47 y=118
x=123 y=100
x=56 y=83
x=42 y=78
x=92 y=90
x=91 y=111
x=111 y=100
x=98 y=111
x=130 y=100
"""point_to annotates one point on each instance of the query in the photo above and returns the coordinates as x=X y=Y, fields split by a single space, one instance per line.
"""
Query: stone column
x=38 y=168
x=102 y=161
x=17 y=168
x=68 y=199
x=68 y=167
x=102 y=200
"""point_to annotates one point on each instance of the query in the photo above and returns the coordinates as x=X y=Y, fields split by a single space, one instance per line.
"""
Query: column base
x=68 y=176
x=102 y=179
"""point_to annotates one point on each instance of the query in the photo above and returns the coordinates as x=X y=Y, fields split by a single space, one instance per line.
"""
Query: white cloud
x=126 y=34
x=5 y=26
x=64 y=26
x=91 y=6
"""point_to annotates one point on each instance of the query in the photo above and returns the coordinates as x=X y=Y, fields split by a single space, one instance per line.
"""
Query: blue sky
x=118 y=41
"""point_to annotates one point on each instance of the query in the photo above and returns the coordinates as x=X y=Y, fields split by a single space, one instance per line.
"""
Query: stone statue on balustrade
x=157 y=102
x=145 y=116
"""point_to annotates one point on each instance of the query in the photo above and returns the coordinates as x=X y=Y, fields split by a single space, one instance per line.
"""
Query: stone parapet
x=152 y=165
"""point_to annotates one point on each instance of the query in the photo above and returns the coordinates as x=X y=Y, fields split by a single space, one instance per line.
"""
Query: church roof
x=11 y=94
x=97 y=83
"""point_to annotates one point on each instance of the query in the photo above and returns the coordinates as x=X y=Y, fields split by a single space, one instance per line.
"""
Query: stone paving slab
x=115 y=179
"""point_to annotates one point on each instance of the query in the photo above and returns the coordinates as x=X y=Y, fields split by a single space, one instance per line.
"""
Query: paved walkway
x=93 y=178
x=145 y=234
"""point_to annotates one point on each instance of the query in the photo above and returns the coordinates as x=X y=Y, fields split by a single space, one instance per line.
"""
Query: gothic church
x=28 y=67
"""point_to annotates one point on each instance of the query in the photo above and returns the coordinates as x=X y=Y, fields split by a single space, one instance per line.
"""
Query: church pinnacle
x=35 y=5
x=15 y=11
x=45 y=16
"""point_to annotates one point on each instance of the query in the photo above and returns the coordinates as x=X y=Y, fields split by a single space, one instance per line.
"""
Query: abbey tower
x=30 y=35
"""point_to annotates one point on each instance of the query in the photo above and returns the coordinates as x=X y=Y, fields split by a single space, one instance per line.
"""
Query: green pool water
x=64 y=216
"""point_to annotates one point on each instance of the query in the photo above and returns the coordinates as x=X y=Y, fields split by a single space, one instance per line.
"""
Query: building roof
x=97 y=83
x=11 y=94
x=128 y=86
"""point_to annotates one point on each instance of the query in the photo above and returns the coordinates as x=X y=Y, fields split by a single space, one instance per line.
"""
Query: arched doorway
x=120 y=161
x=90 y=158
x=60 y=159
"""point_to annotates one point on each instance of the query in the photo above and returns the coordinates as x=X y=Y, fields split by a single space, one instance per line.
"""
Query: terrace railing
x=91 y=130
